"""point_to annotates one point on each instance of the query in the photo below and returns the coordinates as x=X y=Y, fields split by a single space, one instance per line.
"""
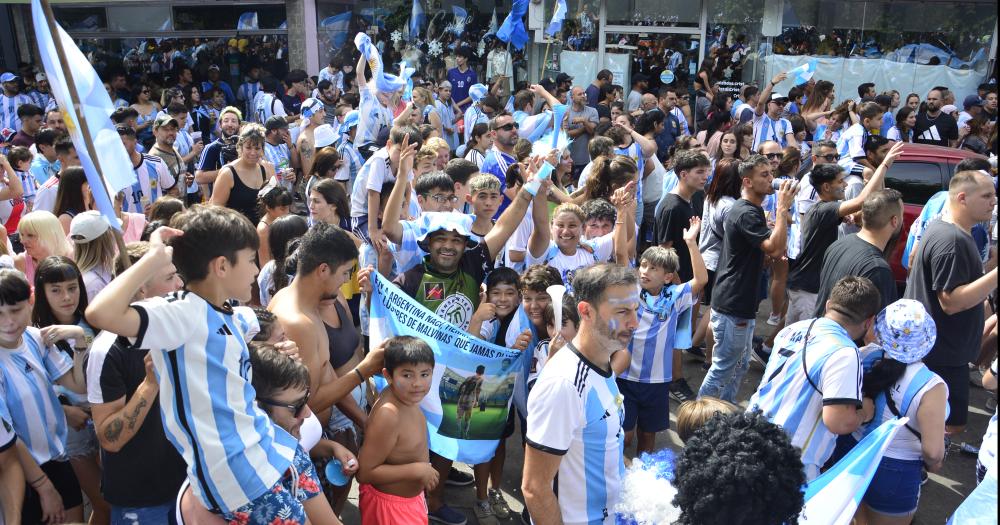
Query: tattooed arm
x=116 y=422
x=306 y=153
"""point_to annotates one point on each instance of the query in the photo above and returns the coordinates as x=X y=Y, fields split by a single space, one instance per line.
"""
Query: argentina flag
x=512 y=29
x=803 y=73
x=247 y=22
x=473 y=383
x=555 y=26
x=86 y=109
x=336 y=28
x=833 y=497
x=384 y=82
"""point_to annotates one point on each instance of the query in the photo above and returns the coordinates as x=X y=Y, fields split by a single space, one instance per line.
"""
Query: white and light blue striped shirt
x=245 y=94
x=575 y=411
x=652 y=345
x=280 y=157
x=40 y=99
x=798 y=382
x=152 y=180
x=373 y=117
x=233 y=451
x=29 y=401
x=353 y=161
x=8 y=110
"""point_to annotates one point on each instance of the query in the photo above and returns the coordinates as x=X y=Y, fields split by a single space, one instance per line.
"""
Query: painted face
x=615 y=318
x=411 y=382
x=505 y=297
x=566 y=230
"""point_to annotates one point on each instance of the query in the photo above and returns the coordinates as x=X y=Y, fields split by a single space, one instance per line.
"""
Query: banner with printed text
x=470 y=395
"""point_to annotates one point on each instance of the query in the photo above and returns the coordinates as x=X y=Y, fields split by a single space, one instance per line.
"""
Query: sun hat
x=905 y=331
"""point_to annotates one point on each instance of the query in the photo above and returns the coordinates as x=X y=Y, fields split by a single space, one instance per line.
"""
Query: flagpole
x=50 y=21
x=545 y=58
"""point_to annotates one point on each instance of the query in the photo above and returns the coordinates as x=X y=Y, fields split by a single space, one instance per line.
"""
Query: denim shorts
x=156 y=515
x=81 y=443
x=895 y=489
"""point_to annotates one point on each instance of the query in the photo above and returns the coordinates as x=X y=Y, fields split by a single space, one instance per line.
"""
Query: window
x=659 y=13
x=81 y=18
x=227 y=17
x=917 y=181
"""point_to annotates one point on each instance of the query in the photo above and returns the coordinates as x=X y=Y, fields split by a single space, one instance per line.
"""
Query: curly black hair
x=739 y=469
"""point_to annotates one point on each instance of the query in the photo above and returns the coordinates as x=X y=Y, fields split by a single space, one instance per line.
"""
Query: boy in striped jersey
x=812 y=383
x=30 y=367
x=236 y=456
x=646 y=382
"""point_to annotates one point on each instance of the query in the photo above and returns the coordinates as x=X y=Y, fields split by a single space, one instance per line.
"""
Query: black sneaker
x=758 y=355
x=697 y=351
x=457 y=478
x=681 y=392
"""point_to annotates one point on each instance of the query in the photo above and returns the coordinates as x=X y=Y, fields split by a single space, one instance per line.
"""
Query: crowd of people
x=207 y=358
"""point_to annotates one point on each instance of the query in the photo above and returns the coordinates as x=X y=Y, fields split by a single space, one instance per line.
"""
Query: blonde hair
x=252 y=133
x=436 y=143
x=48 y=230
x=693 y=414
x=422 y=96
x=98 y=253
x=483 y=182
x=569 y=207
x=428 y=151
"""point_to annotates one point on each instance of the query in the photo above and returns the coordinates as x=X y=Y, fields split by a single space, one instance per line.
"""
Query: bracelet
x=361 y=376
x=40 y=478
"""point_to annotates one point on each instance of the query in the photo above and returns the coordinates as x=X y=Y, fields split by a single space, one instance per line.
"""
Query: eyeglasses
x=441 y=199
x=832 y=157
x=296 y=408
x=774 y=156
x=508 y=127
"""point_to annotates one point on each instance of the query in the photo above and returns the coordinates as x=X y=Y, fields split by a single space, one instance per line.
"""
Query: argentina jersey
x=234 y=453
x=27 y=398
x=600 y=250
x=373 y=116
x=8 y=110
x=152 y=181
x=575 y=411
x=652 y=345
x=795 y=388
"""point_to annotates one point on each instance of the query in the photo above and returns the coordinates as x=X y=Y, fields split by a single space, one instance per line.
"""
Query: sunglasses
x=508 y=127
x=774 y=156
x=296 y=408
x=441 y=199
x=832 y=157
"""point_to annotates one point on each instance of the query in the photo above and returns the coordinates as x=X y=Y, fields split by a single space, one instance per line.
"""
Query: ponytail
x=883 y=375
x=608 y=174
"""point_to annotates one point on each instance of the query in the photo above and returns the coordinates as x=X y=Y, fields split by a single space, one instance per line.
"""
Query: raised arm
x=775 y=245
x=697 y=263
x=765 y=94
x=877 y=182
x=624 y=199
x=391 y=226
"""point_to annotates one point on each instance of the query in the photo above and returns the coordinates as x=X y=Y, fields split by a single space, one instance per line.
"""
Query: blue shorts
x=895 y=489
x=161 y=514
x=647 y=404
x=285 y=498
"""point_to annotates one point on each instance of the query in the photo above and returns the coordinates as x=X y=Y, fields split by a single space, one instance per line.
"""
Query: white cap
x=324 y=136
x=87 y=226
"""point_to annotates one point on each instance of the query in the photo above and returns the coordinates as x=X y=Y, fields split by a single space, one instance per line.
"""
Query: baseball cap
x=275 y=122
x=972 y=101
x=87 y=226
x=8 y=77
x=324 y=136
x=563 y=77
x=164 y=119
x=547 y=83
x=905 y=331
x=40 y=77
x=310 y=106
x=775 y=97
x=350 y=120
x=213 y=67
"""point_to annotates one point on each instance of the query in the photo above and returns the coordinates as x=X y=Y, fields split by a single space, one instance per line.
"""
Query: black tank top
x=243 y=198
x=344 y=340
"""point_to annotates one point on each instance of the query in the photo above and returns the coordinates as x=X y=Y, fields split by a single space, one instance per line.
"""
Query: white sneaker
x=774 y=320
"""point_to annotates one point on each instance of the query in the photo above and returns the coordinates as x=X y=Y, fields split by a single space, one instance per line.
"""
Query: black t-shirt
x=946 y=259
x=603 y=111
x=819 y=231
x=453 y=296
x=937 y=131
x=293 y=104
x=852 y=255
x=737 y=278
x=148 y=470
x=675 y=215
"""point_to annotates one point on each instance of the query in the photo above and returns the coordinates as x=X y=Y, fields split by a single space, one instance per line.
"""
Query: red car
x=920 y=172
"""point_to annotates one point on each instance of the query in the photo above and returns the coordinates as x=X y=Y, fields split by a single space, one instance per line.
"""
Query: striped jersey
x=376 y=171
x=8 y=110
x=352 y=162
x=245 y=94
x=652 y=345
x=765 y=128
x=29 y=400
x=575 y=411
x=851 y=145
x=152 y=181
x=234 y=453
x=267 y=105
x=40 y=99
x=278 y=155
x=473 y=116
x=373 y=116
x=799 y=381
x=28 y=185
x=7 y=436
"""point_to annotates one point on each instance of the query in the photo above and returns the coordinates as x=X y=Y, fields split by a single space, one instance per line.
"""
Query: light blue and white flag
x=470 y=394
x=494 y=27
x=555 y=26
x=461 y=17
x=512 y=29
x=336 y=28
x=406 y=72
x=803 y=73
x=833 y=497
x=384 y=82
x=980 y=508
x=247 y=22
x=417 y=19
x=94 y=109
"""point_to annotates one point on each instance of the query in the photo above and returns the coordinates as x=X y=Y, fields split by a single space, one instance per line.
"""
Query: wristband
x=361 y=376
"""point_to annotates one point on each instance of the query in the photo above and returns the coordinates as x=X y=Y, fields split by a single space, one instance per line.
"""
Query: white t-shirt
x=602 y=247
x=376 y=171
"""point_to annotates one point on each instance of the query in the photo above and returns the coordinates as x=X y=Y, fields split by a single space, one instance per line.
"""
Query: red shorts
x=379 y=508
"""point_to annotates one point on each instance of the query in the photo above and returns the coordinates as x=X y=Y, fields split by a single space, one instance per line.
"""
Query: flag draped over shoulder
x=833 y=497
x=473 y=383
x=512 y=29
x=94 y=107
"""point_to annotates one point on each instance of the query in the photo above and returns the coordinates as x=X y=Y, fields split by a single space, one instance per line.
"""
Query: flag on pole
x=512 y=29
x=384 y=82
x=417 y=18
x=461 y=16
x=247 y=22
x=803 y=73
x=336 y=28
x=494 y=27
x=557 y=18
x=88 y=106
x=833 y=497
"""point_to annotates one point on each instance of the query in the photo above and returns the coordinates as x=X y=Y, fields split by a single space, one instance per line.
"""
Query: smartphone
x=196 y=136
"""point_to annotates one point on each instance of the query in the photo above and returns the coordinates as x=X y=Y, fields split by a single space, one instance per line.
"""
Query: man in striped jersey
x=153 y=180
x=812 y=383
x=236 y=456
x=248 y=91
x=11 y=98
x=575 y=409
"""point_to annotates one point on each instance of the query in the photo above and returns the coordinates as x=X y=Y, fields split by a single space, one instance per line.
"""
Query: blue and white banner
x=980 y=508
x=470 y=395
x=512 y=29
x=833 y=497
x=803 y=73
x=384 y=82
x=247 y=22
x=555 y=26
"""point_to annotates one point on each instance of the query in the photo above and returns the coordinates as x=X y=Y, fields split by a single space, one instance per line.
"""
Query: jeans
x=160 y=514
x=731 y=357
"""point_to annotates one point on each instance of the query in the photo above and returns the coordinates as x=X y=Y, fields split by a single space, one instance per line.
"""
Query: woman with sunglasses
x=147 y=108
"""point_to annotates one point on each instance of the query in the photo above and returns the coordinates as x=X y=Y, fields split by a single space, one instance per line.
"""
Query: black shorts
x=646 y=405
x=706 y=292
x=61 y=475
x=957 y=379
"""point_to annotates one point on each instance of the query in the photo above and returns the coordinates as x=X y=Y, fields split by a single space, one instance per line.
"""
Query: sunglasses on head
x=296 y=408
